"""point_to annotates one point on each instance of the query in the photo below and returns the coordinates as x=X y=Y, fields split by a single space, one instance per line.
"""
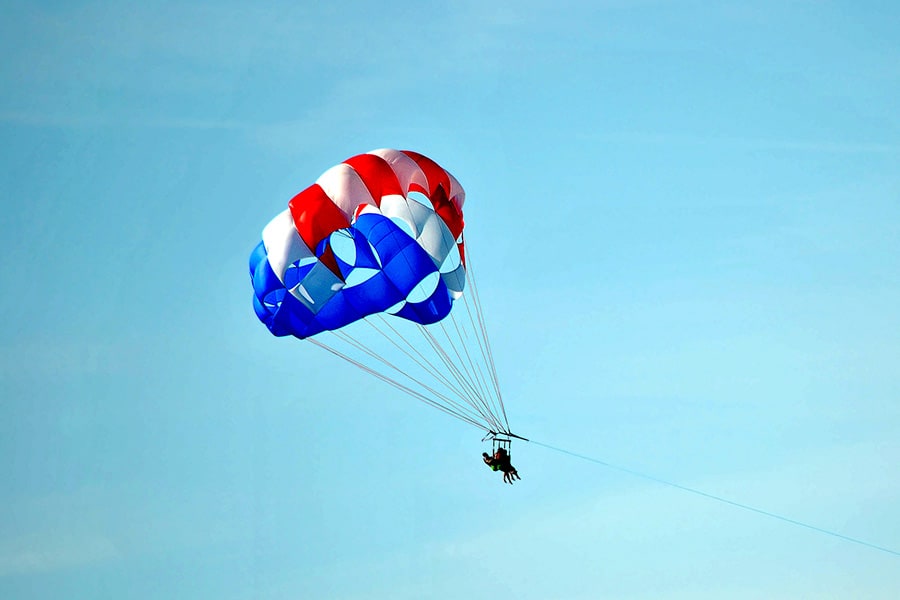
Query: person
x=501 y=462
x=489 y=461
x=509 y=472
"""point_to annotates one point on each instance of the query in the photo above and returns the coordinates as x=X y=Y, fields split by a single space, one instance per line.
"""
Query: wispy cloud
x=48 y=553
x=114 y=522
x=74 y=121
x=95 y=41
x=39 y=357
x=681 y=140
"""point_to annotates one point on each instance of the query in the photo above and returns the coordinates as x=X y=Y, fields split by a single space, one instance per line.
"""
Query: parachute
x=370 y=264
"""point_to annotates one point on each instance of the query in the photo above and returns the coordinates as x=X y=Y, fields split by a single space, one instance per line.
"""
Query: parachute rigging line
x=475 y=373
x=430 y=368
x=453 y=406
x=459 y=371
x=363 y=348
x=464 y=395
x=414 y=393
x=487 y=353
x=740 y=505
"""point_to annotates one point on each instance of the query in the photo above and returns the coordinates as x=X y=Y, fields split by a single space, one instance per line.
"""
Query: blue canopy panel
x=381 y=265
x=431 y=310
x=350 y=250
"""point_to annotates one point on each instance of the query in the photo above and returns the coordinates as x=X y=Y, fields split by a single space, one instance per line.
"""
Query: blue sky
x=685 y=218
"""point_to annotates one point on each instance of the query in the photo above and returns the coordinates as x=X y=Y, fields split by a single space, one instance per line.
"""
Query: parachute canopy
x=380 y=232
